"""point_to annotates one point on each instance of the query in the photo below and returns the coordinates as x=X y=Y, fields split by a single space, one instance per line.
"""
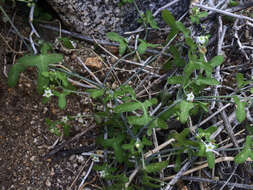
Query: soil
x=25 y=139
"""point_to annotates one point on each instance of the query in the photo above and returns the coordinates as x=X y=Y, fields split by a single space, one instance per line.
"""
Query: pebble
x=72 y=157
x=80 y=159
x=48 y=183
x=32 y=158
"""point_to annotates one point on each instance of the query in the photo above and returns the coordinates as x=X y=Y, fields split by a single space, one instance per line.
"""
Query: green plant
x=49 y=82
x=246 y=152
x=127 y=120
x=41 y=62
x=59 y=127
x=130 y=121
x=197 y=15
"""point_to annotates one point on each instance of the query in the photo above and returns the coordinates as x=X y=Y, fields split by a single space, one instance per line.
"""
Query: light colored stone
x=101 y=16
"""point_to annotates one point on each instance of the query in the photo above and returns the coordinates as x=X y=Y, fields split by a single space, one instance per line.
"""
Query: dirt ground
x=25 y=139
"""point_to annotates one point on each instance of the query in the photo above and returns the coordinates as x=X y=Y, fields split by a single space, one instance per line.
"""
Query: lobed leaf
x=156 y=167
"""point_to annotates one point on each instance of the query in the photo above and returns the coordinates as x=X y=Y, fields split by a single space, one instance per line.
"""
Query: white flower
x=48 y=93
x=102 y=173
x=74 y=44
x=209 y=147
x=64 y=119
x=95 y=158
x=79 y=118
x=190 y=97
x=201 y=39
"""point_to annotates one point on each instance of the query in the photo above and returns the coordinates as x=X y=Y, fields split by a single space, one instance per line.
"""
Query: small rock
x=32 y=158
x=72 y=157
x=48 y=183
x=52 y=172
x=80 y=159
x=75 y=165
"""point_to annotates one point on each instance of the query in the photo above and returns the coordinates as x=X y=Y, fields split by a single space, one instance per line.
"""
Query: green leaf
x=239 y=80
x=203 y=14
x=150 y=20
x=146 y=182
x=144 y=45
x=124 y=90
x=203 y=105
x=242 y=156
x=127 y=107
x=206 y=81
x=233 y=3
x=146 y=142
x=39 y=61
x=116 y=144
x=178 y=61
x=216 y=61
x=160 y=123
x=122 y=48
x=183 y=29
x=62 y=101
x=46 y=48
x=180 y=137
x=95 y=93
x=249 y=129
x=240 y=109
x=136 y=120
x=175 y=80
x=185 y=108
x=169 y=19
x=188 y=70
x=202 y=149
x=156 y=167
x=178 y=163
x=117 y=38
x=189 y=41
x=66 y=130
x=150 y=102
x=67 y=42
x=210 y=159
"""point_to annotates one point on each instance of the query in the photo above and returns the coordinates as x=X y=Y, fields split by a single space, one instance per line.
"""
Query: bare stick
x=86 y=175
x=210 y=117
x=179 y=174
x=236 y=28
x=228 y=126
x=79 y=173
x=199 y=179
x=218 y=160
x=164 y=7
x=57 y=149
x=89 y=39
x=149 y=153
x=131 y=177
x=223 y=12
x=14 y=27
